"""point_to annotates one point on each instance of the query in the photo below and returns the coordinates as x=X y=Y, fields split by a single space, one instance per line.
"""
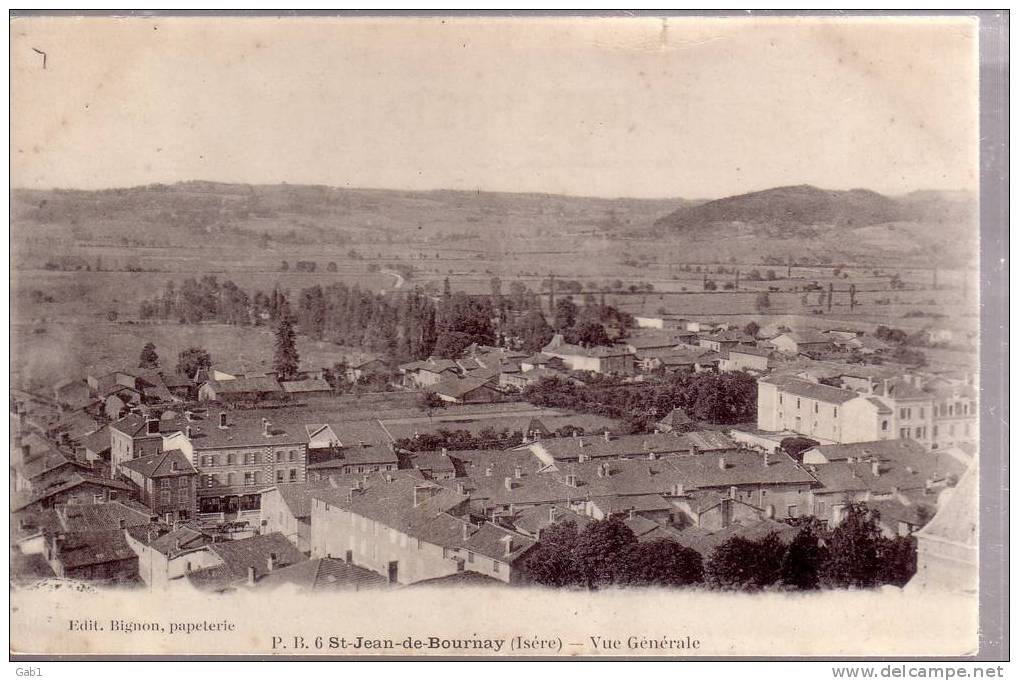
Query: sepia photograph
x=496 y=336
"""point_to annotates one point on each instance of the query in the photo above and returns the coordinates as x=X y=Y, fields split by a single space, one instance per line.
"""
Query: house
x=434 y=465
x=877 y=471
x=533 y=521
x=801 y=342
x=101 y=556
x=322 y=574
x=599 y=359
x=245 y=389
x=725 y=340
x=355 y=459
x=650 y=506
x=166 y=482
x=422 y=374
x=229 y=565
x=475 y=390
x=48 y=468
x=365 y=366
x=947 y=547
x=157 y=546
x=816 y=410
x=705 y=541
x=607 y=446
x=680 y=359
x=138 y=435
x=76 y=488
x=745 y=358
x=540 y=360
x=658 y=341
x=237 y=455
x=286 y=509
x=712 y=510
x=309 y=387
x=96 y=445
x=402 y=529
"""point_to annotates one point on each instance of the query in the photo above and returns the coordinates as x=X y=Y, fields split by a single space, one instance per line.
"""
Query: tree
x=600 y=551
x=897 y=557
x=429 y=400
x=533 y=331
x=148 y=359
x=853 y=549
x=587 y=334
x=725 y=397
x=285 y=360
x=552 y=562
x=746 y=564
x=331 y=267
x=565 y=314
x=803 y=560
x=191 y=360
x=662 y=562
x=752 y=329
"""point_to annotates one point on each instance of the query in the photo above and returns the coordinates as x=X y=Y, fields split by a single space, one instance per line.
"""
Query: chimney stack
x=722 y=465
x=222 y=419
x=444 y=452
x=767 y=460
x=151 y=426
x=601 y=470
x=122 y=523
x=732 y=492
x=251 y=576
x=508 y=544
x=466 y=531
x=187 y=432
x=460 y=489
x=875 y=468
x=508 y=482
x=270 y=562
x=488 y=471
x=552 y=512
x=266 y=427
x=518 y=472
x=608 y=437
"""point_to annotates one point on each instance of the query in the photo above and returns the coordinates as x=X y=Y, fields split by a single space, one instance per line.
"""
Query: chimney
x=444 y=452
x=187 y=432
x=121 y=523
x=251 y=575
x=928 y=485
x=646 y=446
x=767 y=460
x=460 y=489
x=722 y=465
x=732 y=492
x=488 y=471
x=608 y=437
x=270 y=562
x=678 y=489
x=189 y=415
x=571 y=480
x=466 y=531
x=651 y=456
x=601 y=470
x=631 y=513
x=222 y=419
x=518 y=472
x=875 y=468
x=266 y=427
x=580 y=442
x=360 y=443
x=151 y=426
x=176 y=545
x=552 y=513
x=508 y=482
x=507 y=544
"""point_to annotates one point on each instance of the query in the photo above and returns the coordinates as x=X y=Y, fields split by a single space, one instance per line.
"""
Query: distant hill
x=801 y=205
x=852 y=225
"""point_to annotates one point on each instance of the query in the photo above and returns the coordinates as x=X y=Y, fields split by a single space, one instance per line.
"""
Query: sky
x=694 y=108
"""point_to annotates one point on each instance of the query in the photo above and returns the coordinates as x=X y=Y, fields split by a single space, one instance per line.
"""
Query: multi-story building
x=599 y=359
x=166 y=482
x=237 y=456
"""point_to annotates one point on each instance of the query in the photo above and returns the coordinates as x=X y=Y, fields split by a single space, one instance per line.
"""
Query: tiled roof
x=637 y=502
x=167 y=540
x=241 y=554
x=490 y=541
x=81 y=549
x=640 y=525
x=432 y=461
x=534 y=519
x=323 y=574
x=99 y=441
x=243 y=430
x=881 y=449
x=813 y=391
x=93 y=517
x=308 y=385
x=248 y=384
x=49 y=461
x=162 y=464
x=461 y=579
x=70 y=482
x=705 y=542
x=663 y=444
x=457 y=388
x=297 y=496
x=354 y=455
x=904 y=472
x=749 y=350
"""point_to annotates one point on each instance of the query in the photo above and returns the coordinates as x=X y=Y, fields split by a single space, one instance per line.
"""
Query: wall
x=276 y=516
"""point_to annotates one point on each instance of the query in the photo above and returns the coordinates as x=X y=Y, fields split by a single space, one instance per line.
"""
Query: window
x=293 y=475
x=279 y=475
x=249 y=458
x=791 y=511
x=164 y=483
x=919 y=432
x=951 y=429
x=258 y=477
x=182 y=482
x=292 y=455
x=902 y=413
x=903 y=433
x=797 y=403
x=164 y=497
x=495 y=566
x=230 y=459
x=279 y=457
x=950 y=410
x=817 y=407
x=835 y=412
x=935 y=431
x=884 y=425
x=921 y=412
x=470 y=556
x=249 y=478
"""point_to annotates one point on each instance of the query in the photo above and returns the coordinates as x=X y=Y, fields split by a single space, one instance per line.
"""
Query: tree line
x=853 y=554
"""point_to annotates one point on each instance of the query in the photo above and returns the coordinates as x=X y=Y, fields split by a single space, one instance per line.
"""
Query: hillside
x=855 y=225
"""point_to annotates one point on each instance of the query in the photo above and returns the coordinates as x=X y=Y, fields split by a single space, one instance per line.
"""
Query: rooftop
x=323 y=574
x=163 y=464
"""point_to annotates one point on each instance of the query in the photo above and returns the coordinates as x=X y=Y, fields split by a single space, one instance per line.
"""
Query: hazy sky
x=606 y=107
